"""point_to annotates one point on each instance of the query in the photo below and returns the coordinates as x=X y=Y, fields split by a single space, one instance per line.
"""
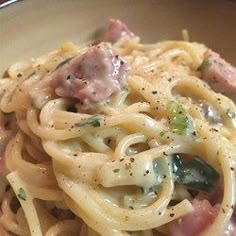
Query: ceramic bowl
x=30 y=28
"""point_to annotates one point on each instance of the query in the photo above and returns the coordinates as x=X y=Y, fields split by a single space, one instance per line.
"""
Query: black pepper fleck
x=132 y=159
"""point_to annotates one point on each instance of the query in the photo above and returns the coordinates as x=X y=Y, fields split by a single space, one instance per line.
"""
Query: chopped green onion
x=178 y=167
x=22 y=194
x=205 y=65
x=178 y=118
x=196 y=175
x=230 y=114
x=199 y=175
x=157 y=168
x=94 y=121
x=64 y=62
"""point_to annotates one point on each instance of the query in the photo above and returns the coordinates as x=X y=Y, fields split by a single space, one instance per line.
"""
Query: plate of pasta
x=117 y=136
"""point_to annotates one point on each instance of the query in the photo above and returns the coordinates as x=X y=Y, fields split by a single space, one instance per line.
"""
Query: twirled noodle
x=104 y=176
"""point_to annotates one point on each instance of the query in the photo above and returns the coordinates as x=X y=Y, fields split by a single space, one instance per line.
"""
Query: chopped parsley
x=94 y=121
x=21 y=194
x=116 y=170
x=230 y=114
x=30 y=75
x=205 y=65
x=64 y=62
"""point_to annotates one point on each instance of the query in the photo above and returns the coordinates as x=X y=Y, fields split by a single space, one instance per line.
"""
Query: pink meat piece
x=115 y=31
x=219 y=74
x=215 y=199
x=196 y=222
x=92 y=77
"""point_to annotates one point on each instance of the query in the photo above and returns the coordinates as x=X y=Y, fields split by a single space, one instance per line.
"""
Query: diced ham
x=115 y=31
x=196 y=222
x=92 y=77
x=215 y=199
x=219 y=74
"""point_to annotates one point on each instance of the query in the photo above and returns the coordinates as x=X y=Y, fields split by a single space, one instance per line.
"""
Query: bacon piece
x=196 y=222
x=115 y=31
x=219 y=74
x=92 y=77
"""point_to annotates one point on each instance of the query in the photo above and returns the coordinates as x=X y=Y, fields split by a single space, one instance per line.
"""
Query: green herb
x=116 y=170
x=196 y=174
x=22 y=194
x=205 y=65
x=230 y=114
x=30 y=75
x=178 y=118
x=64 y=62
x=94 y=121
x=162 y=133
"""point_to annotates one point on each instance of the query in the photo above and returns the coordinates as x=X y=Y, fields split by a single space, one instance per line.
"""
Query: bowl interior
x=32 y=28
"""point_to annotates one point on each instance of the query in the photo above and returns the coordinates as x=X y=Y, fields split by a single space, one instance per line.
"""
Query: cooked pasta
x=135 y=153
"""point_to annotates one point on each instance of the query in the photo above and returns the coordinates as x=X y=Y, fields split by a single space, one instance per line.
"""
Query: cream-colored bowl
x=31 y=28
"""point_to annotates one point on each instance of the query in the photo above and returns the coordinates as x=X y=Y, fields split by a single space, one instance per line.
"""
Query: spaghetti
x=125 y=165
